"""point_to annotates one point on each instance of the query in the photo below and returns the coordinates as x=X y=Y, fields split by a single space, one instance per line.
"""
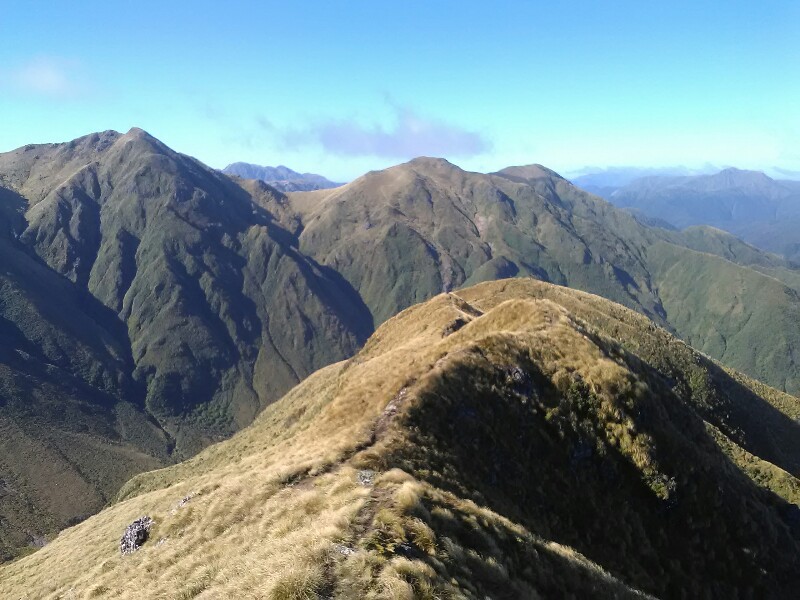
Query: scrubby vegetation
x=524 y=453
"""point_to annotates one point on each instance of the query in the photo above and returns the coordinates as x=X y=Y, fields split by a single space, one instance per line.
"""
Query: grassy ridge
x=490 y=442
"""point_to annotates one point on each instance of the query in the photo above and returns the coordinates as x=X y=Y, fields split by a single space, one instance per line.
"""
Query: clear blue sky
x=341 y=87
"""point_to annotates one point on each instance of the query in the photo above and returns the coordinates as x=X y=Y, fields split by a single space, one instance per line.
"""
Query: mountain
x=605 y=182
x=150 y=305
x=404 y=234
x=70 y=432
x=218 y=311
x=281 y=178
x=749 y=204
x=409 y=232
x=490 y=443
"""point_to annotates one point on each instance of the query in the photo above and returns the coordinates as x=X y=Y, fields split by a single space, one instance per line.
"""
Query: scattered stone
x=162 y=541
x=405 y=549
x=366 y=477
x=135 y=535
x=183 y=502
x=5 y=487
x=345 y=550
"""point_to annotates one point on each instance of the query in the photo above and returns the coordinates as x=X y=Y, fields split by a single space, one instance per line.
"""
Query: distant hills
x=514 y=439
x=150 y=305
x=763 y=211
x=604 y=182
x=281 y=178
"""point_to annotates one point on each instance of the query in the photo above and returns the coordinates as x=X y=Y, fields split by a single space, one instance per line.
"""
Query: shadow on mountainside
x=656 y=496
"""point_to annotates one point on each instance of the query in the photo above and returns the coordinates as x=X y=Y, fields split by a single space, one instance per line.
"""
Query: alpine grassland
x=513 y=439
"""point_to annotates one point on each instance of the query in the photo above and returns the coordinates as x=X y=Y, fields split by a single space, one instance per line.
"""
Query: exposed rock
x=5 y=487
x=345 y=550
x=183 y=502
x=406 y=549
x=366 y=477
x=390 y=411
x=36 y=540
x=521 y=383
x=135 y=535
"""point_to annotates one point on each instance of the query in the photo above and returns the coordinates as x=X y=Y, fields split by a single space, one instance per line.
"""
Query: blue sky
x=342 y=87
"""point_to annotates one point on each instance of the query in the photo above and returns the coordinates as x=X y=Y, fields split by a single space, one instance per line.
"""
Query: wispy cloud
x=786 y=173
x=49 y=76
x=410 y=135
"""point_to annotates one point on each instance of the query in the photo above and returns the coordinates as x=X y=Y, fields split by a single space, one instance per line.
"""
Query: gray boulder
x=135 y=535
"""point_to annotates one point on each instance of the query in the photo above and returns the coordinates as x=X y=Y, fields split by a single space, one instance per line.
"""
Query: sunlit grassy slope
x=497 y=442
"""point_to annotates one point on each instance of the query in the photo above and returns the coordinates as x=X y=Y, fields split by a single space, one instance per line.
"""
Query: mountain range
x=281 y=178
x=760 y=210
x=604 y=182
x=151 y=306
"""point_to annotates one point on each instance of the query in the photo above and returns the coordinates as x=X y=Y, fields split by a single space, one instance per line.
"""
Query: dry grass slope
x=491 y=443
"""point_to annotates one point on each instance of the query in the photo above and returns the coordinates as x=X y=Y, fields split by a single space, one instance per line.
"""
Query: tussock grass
x=523 y=455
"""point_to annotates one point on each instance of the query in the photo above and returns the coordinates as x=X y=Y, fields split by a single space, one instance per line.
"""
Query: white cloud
x=409 y=135
x=49 y=76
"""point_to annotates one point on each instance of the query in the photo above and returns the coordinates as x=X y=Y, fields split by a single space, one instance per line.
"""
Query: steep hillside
x=720 y=317
x=222 y=313
x=402 y=235
x=760 y=210
x=70 y=431
x=148 y=306
x=281 y=178
x=490 y=443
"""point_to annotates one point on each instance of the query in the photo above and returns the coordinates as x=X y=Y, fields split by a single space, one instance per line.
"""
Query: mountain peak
x=281 y=177
x=753 y=182
x=742 y=174
x=139 y=134
x=137 y=140
x=526 y=173
x=431 y=162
